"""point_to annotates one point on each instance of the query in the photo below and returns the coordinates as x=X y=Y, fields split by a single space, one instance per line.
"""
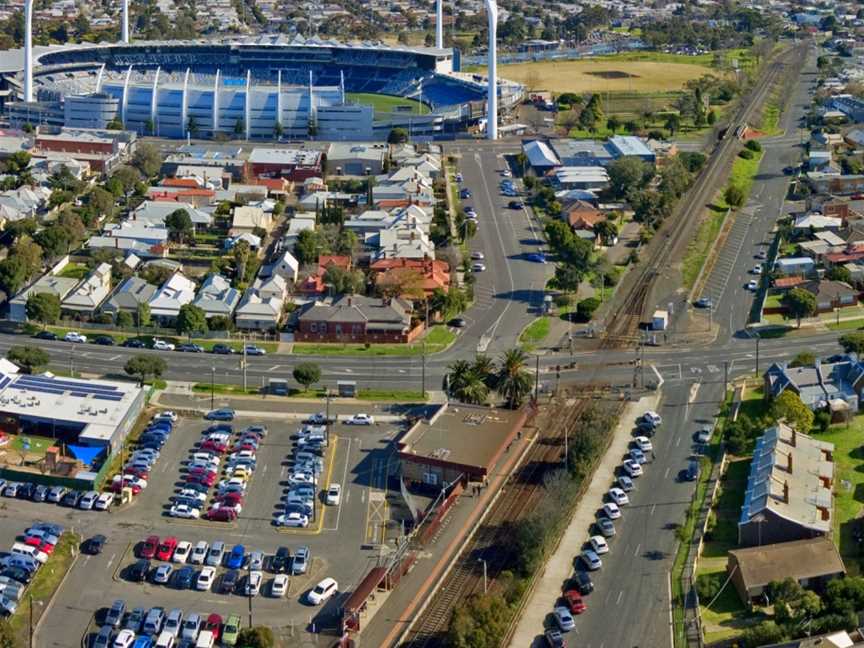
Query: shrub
x=754 y=146
x=746 y=154
x=708 y=585
x=585 y=309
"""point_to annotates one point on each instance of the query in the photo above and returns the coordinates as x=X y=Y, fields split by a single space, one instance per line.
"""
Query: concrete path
x=560 y=565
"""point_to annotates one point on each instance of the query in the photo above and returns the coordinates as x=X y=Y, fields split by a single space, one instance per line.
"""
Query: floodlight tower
x=124 y=30
x=492 y=100
x=439 y=24
x=28 y=50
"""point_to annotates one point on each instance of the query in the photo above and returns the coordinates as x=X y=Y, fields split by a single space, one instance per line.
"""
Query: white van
x=205 y=640
x=165 y=640
x=26 y=550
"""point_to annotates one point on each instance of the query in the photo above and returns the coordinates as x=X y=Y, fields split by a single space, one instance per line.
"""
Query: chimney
x=786 y=491
x=789 y=463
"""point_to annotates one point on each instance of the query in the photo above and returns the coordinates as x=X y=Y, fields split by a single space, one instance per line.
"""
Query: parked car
x=611 y=510
x=162 y=574
x=166 y=548
x=189 y=347
x=478 y=267
x=516 y=204
x=253 y=350
x=236 y=557
x=632 y=468
x=590 y=559
x=138 y=571
x=360 y=419
x=605 y=526
x=205 y=579
x=554 y=638
x=334 y=494
x=75 y=336
x=222 y=414
x=618 y=496
x=162 y=345
x=222 y=349
x=229 y=581
x=103 y=340
x=625 y=483
x=183 y=578
x=231 y=630
x=564 y=619
x=253 y=583
x=133 y=343
x=93 y=546
x=575 y=601
x=115 y=613
x=294 y=519
x=45 y=335
x=322 y=591
x=599 y=545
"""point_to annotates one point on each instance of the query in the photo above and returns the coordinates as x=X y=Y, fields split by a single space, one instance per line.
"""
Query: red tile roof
x=788 y=282
x=192 y=183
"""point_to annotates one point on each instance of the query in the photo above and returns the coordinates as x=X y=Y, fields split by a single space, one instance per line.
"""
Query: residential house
x=831 y=294
x=286 y=267
x=262 y=305
x=174 y=293
x=816 y=222
x=144 y=240
x=86 y=298
x=586 y=177
x=583 y=215
x=313 y=285
x=315 y=200
x=434 y=273
x=49 y=283
x=786 y=266
x=153 y=214
x=354 y=318
x=410 y=243
x=581 y=153
x=129 y=296
x=294 y=164
x=811 y=562
x=788 y=495
x=541 y=157
x=630 y=146
x=302 y=221
x=247 y=219
x=836 y=385
x=216 y=297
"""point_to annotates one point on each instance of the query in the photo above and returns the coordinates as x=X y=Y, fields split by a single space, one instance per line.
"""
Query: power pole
x=243 y=362
x=423 y=372
x=212 y=385
x=327 y=417
x=757 y=354
x=537 y=380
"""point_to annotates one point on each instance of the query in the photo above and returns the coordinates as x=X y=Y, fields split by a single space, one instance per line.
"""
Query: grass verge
x=535 y=332
x=700 y=246
x=120 y=338
x=436 y=340
x=849 y=488
x=388 y=395
x=42 y=587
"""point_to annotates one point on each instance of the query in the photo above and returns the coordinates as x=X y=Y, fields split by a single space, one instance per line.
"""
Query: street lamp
x=484 y=573
x=212 y=385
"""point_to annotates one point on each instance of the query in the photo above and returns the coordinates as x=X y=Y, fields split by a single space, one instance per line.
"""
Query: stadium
x=254 y=89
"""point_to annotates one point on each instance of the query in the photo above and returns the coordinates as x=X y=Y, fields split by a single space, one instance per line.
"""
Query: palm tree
x=474 y=392
x=514 y=381
x=484 y=368
x=458 y=375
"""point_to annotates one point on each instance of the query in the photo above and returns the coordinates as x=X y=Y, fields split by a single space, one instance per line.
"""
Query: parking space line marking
x=666 y=474
x=636 y=553
x=342 y=484
x=620 y=596
x=653 y=508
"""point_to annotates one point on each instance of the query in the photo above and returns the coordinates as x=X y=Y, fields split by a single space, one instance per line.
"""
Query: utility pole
x=485 y=588
x=725 y=374
x=31 y=620
x=537 y=381
x=212 y=385
x=757 y=354
x=71 y=360
x=423 y=373
x=249 y=590
x=327 y=417
x=243 y=363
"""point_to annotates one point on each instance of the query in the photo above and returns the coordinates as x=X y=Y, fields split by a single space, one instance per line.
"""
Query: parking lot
x=341 y=539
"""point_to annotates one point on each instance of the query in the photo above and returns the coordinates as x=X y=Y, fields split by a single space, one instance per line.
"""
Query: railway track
x=466 y=576
x=624 y=325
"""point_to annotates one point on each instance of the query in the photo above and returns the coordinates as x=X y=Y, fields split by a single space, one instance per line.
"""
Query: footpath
x=559 y=568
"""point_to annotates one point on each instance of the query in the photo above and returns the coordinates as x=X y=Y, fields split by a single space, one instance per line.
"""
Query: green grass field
x=437 y=339
x=697 y=251
x=387 y=103
x=535 y=332
x=849 y=487
x=38 y=445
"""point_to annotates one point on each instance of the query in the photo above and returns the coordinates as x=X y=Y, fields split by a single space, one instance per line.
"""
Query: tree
x=142 y=315
x=307 y=374
x=30 y=359
x=278 y=130
x=54 y=241
x=257 y=637
x=124 y=320
x=142 y=366
x=585 y=308
x=192 y=126
x=147 y=159
x=241 y=253
x=767 y=632
x=239 y=126
x=397 y=136
x=470 y=383
x=789 y=407
x=43 y=308
x=803 y=359
x=734 y=196
x=607 y=230
x=799 y=304
x=673 y=123
x=7 y=635
x=481 y=622
x=191 y=319
x=100 y=200
x=127 y=177
x=344 y=282
x=307 y=247
x=400 y=282
x=514 y=381
x=840 y=273
x=179 y=224
x=627 y=175
x=851 y=342
x=13 y=275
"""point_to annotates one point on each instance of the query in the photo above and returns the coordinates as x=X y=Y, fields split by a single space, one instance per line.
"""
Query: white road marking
x=115 y=358
x=666 y=474
x=273 y=368
x=654 y=506
x=620 y=596
x=111 y=560
x=636 y=553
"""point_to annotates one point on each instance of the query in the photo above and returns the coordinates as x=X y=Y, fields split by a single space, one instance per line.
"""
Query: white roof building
x=91 y=292
x=174 y=293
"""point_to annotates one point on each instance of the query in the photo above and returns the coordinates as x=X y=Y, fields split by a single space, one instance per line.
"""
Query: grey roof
x=131 y=292
x=216 y=296
x=819 y=384
x=377 y=313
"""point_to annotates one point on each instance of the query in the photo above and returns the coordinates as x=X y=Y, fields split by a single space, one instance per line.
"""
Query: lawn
x=38 y=445
x=43 y=586
x=697 y=251
x=74 y=271
x=387 y=103
x=535 y=332
x=742 y=176
x=436 y=340
x=847 y=325
x=773 y=300
x=848 y=487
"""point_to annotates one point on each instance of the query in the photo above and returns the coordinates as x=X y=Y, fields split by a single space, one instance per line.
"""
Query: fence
x=158 y=331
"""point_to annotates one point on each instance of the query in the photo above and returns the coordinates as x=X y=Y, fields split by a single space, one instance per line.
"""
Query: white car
x=757 y=270
x=322 y=591
x=625 y=483
x=507 y=173
x=167 y=414
x=199 y=553
x=637 y=455
x=279 y=586
x=703 y=435
x=294 y=520
x=205 y=458
x=181 y=553
x=591 y=560
x=632 y=468
x=599 y=545
x=253 y=583
x=124 y=640
x=618 y=496
x=205 y=579
x=360 y=419
x=193 y=494
x=301 y=477
x=477 y=256
x=184 y=511
x=644 y=444
x=753 y=285
x=652 y=417
x=234 y=482
x=87 y=502
x=478 y=267
x=611 y=510
x=241 y=455
x=104 y=501
x=564 y=619
x=162 y=345
x=334 y=495
x=75 y=336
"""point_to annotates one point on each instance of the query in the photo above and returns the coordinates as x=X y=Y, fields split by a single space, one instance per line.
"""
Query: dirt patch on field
x=613 y=74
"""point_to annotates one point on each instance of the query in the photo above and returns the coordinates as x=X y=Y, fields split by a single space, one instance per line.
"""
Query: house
x=50 y=283
x=581 y=153
x=262 y=305
x=129 y=296
x=90 y=293
x=174 y=293
x=788 y=495
x=354 y=318
x=836 y=384
x=145 y=240
x=630 y=146
x=583 y=177
x=839 y=639
x=216 y=297
x=831 y=294
x=434 y=273
x=855 y=137
x=247 y=219
x=153 y=214
x=583 y=215
x=816 y=221
x=787 y=266
x=811 y=562
x=286 y=267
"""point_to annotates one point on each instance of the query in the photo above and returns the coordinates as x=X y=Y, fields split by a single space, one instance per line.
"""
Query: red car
x=214 y=446
x=214 y=625
x=199 y=470
x=166 y=548
x=244 y=446
x=148 y=549
x=117 y=487
x=46 y=548
x=221 y=515
x=207 y=479
x=33 y=541
x=230 y=499
x=574 y=602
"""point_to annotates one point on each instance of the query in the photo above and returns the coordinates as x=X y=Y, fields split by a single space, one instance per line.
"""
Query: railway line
x=623 y=327
x=488 y=544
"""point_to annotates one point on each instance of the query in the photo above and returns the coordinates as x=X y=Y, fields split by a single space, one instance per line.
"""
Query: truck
x=278 y=386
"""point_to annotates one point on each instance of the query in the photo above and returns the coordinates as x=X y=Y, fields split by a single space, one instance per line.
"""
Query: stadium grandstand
x=252 y=88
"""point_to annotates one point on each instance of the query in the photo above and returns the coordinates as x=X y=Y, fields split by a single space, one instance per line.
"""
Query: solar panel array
x=58 y=386
x=4 y=380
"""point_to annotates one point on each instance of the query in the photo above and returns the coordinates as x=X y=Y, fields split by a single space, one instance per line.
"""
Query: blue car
x=183 y=578
x=235 y=558
x=143 y=642
x=465 y=194
x=536 y=257
x=224 y=414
